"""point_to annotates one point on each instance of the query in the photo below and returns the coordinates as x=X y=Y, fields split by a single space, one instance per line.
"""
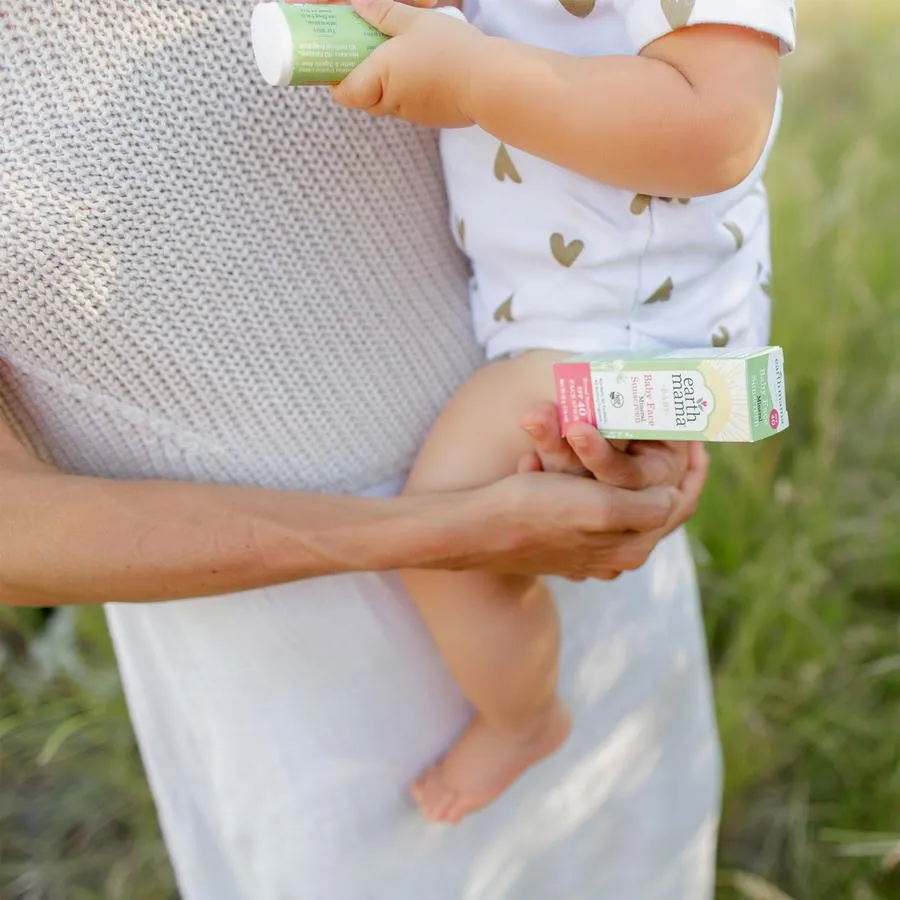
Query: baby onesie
x=563 y=262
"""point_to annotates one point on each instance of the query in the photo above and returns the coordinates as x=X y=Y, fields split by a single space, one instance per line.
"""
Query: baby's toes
x=432 y=795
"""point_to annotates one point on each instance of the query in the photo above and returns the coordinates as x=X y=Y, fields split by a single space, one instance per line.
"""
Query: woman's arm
x=690 y=115
x=68 y=539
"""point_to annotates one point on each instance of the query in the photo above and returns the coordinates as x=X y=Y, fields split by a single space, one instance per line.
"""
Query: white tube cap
x=272 y=45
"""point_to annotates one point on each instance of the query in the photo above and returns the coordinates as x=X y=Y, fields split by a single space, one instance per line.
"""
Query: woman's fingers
x=585 y=451
x=691 y=488
x=553 y=451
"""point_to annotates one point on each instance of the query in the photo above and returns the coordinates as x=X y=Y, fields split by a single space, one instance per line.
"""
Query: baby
x=603 y=162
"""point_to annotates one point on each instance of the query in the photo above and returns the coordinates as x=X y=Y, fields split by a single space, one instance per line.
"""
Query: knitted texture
x=207 y=278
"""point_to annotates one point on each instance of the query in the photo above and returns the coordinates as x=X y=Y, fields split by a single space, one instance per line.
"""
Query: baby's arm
x=688 y=116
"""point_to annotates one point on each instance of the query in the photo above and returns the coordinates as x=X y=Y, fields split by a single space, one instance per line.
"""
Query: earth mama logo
x=691 y=401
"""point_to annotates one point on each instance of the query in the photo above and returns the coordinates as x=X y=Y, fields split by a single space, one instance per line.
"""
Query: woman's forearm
x=688 y=117
x=68 y=539
x=74 y=540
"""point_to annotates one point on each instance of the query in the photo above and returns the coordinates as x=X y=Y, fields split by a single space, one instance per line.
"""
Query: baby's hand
x=428 y=4
x=422 y=74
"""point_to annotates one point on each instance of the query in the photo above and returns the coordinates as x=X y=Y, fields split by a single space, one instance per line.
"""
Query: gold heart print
x=461 y=233
x=662 y=293
x=735 y=232
x=565 y=253
x=579 y=8
x=640 y=204
x=503 y=313
x=721 y=337
x=677 y=12
x=504 y=167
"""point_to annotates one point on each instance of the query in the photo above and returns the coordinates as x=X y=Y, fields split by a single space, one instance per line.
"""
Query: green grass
x=76 y=819
x=802 y=535
x=799 y=541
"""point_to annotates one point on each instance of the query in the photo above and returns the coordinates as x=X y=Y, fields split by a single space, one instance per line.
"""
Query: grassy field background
x=798 y=541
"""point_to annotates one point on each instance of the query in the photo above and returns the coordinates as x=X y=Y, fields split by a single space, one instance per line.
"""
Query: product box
x=707 y=394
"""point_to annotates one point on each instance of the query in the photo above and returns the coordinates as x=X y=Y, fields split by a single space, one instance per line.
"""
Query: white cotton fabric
x=563 y=262
x=207 y=279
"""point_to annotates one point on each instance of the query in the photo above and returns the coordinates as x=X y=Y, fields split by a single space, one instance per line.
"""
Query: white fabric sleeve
x=647 y=20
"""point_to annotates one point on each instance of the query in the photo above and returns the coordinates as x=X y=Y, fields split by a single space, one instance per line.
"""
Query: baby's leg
x=498 y=635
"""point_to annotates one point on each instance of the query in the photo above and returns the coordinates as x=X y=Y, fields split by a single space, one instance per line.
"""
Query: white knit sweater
x=182 y=256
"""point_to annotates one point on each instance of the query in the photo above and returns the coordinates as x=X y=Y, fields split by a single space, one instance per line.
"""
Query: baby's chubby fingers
x=427 y=4
x=422 y=75
x=363 y=88
x=388 y=16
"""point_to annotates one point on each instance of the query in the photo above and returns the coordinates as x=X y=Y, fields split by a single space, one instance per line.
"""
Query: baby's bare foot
x=483 y=763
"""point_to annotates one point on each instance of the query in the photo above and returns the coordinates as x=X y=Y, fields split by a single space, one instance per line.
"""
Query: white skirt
x=281 y=727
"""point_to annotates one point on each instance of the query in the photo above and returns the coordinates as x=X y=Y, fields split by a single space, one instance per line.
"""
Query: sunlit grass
x=802 y=593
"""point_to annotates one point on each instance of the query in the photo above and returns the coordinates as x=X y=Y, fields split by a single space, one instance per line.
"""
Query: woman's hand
x=539 y=523
x=643 y=465
x=586 y=452
x=421 y=75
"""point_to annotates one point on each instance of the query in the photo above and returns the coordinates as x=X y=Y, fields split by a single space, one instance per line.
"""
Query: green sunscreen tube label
x=307 y=44
x=328 y=42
